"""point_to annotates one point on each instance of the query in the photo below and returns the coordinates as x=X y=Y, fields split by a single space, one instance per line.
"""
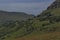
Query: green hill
x=45 y=26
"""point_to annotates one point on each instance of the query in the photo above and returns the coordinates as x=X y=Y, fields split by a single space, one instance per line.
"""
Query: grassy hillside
x=44 y=25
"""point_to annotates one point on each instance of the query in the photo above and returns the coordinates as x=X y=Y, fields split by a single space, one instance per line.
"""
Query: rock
x=55 y=4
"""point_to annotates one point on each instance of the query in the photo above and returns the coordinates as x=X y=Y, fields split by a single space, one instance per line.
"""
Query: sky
x=34 y=7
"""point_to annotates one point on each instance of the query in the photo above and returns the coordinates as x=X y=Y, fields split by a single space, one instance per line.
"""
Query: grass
x=56 y=11
x=45 y=36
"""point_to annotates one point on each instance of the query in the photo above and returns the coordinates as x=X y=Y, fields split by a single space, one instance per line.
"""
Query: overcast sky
x=27 y=6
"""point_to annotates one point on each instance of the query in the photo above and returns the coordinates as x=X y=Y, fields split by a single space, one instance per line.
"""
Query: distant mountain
x=5 y=16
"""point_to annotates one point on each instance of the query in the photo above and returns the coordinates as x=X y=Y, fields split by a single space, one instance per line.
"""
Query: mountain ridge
x=5 y=15
x=55 y=4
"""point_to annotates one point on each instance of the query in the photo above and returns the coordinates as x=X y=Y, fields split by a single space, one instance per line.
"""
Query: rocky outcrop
x=54 y=5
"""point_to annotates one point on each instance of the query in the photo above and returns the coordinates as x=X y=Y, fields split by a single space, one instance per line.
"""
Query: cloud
x=30 y=8
x=13 y=1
